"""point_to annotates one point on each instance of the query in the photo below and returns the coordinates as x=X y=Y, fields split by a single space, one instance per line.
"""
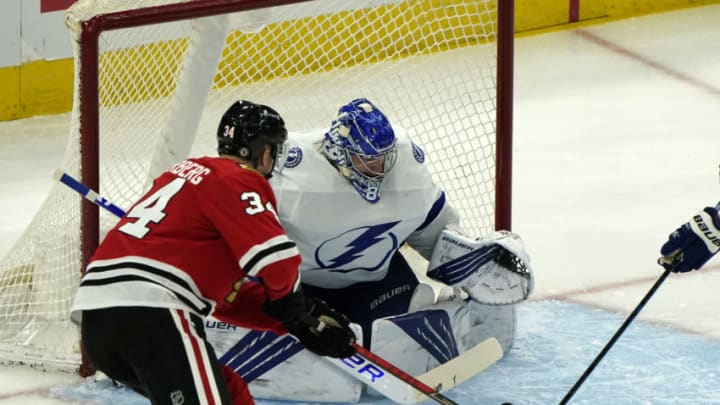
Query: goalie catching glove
x=693 y=244
x=321 y=329
x=494 y=270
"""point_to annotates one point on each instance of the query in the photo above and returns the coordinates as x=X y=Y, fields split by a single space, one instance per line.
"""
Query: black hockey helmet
x=246 y=128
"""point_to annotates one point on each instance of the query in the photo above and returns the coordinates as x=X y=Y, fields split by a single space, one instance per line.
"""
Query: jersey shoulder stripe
x=272 y=250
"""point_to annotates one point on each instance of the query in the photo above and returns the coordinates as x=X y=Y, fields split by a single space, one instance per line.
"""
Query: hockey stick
x=403 y=388
x=85 y=191
x=615 y=337
x=366 y=366
x=460 y=369
x=395 y=384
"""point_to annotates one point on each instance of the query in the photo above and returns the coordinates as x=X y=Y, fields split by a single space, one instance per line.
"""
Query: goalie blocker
x=494 y=270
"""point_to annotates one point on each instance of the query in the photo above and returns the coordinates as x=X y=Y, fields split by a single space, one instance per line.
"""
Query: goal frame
x=89 y=102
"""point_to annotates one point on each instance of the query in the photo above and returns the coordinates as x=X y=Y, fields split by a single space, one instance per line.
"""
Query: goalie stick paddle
x=403 y=388
x=430 y=392
x=366 y=366
x=460 y=369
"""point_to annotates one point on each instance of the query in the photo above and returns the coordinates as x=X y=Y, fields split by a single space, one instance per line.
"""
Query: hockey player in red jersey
x=205 y=240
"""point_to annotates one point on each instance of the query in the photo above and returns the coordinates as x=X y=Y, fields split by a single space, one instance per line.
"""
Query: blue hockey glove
x=693 y=244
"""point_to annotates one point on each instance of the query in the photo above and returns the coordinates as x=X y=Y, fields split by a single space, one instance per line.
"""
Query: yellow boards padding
x=9 y=92
x=388 y=32
x=45 y=87
x=36 y=88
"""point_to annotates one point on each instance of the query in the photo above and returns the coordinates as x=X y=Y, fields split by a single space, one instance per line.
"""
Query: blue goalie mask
x=362 y=145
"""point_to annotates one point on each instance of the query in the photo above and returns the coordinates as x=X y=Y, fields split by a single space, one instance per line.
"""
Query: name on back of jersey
x=191 y=171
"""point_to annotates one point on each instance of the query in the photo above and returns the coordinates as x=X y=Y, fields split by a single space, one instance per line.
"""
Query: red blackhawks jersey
x=205 y=238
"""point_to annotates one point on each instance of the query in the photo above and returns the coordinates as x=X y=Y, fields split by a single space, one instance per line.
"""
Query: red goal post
x=154 y=76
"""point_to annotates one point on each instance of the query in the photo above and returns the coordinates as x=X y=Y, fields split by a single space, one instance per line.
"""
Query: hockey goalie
x=351 y=197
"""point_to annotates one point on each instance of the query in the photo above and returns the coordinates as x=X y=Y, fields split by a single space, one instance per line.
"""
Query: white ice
x=617 y=142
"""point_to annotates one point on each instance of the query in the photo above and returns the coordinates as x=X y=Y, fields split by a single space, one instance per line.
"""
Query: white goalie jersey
x=343 y=248
x=340 y=249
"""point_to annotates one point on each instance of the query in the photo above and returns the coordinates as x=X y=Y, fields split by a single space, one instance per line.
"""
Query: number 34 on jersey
x=152 y=208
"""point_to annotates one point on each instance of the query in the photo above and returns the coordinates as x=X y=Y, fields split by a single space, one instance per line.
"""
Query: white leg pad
x=278 y=367
x=416 y=342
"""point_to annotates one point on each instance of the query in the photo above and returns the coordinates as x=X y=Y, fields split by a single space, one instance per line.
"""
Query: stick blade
x=463 y=367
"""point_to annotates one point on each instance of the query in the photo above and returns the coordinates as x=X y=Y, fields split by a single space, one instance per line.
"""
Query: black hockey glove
x=321 y=329
x=694 y=243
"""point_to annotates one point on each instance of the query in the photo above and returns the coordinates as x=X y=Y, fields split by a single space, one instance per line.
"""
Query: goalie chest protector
x=344 y=239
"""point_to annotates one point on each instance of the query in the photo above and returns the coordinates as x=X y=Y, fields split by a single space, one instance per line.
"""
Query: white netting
x=429 y=65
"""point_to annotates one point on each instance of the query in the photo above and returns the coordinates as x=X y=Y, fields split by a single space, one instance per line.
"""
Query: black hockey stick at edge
x=615 y=337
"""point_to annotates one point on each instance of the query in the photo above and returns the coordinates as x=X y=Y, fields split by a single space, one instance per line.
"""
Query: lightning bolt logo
x=338 y=252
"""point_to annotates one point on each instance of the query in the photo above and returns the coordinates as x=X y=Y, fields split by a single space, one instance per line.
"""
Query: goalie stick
x=403 y=388
x=365 y=366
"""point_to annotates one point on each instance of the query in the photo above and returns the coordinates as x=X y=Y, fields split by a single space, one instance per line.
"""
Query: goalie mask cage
x=153 y=78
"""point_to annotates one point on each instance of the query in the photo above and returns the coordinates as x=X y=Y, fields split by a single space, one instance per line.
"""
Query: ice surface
x=616 y=143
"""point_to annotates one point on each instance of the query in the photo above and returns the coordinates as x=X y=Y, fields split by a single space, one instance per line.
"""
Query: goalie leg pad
x=498 y=321
x=495 y=270
x=419 y=342
x=277 y=367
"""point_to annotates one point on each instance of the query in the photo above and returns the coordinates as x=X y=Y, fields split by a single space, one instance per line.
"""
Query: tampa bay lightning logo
x=294 y=156
x=364 y=248
x=418 y=153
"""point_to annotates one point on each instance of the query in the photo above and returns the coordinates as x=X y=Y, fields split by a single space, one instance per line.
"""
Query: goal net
x=153 y=78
